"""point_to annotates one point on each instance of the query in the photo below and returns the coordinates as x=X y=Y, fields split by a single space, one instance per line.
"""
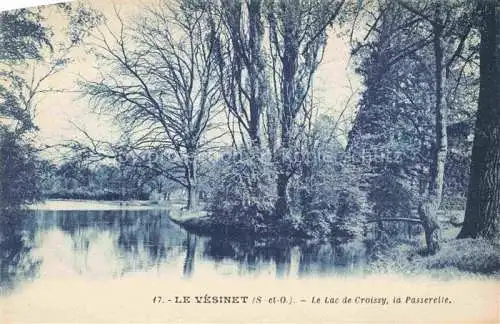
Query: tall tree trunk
x=191 y=182
x=244 y=84
x=441 y=144
x=281 y=206
x=288 y=95
x=428 y=209
x=191 y=201
x=256 y=69
x=483 y=199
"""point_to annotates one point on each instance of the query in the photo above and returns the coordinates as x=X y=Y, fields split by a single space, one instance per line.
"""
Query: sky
x=8 y=5
x=58 y=113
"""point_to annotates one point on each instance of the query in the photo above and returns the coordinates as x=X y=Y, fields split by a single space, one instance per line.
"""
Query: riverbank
x=197 y=221
x=201 y=222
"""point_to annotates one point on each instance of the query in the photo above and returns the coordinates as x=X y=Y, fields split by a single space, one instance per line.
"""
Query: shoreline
x=74 y=204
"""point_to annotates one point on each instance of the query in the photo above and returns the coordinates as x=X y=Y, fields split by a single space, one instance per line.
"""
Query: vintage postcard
x=250 y=161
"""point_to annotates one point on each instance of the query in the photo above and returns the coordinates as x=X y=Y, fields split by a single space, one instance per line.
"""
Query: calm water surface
x=112 y=244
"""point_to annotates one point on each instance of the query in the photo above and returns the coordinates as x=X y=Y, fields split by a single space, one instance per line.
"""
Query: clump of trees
x=94 y=182
x=421 y=80
x=198 y=78
x=191 y=73
x=241 y=190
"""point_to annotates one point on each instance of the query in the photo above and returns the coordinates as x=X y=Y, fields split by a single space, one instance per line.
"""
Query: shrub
x=390 y=196
x=337 y=206
x=242 y=190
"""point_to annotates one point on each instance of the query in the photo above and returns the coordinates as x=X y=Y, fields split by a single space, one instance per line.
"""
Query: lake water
x=43 y=245
x=110 y=265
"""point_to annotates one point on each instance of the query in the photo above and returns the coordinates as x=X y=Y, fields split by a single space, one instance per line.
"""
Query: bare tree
x=161 y=85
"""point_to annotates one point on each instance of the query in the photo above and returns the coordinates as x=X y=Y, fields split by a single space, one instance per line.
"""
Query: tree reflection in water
x=252 y=256
x=191 y=242
x=114 y=243
x=17 y=264
x=326 y=258
x=307 y=259
x=91 y=242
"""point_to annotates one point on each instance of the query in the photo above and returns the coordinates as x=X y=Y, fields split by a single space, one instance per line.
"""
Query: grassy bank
x=462 y=258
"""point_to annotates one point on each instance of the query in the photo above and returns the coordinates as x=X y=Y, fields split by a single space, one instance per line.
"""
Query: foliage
x=28 y=59
x=71 y=180
x=325 y=190
x=457 y=167
x=391 y=198
x=338 y=210
x=19 y=179
x=25 y=49
x=346 y=204
x=453 y=203
x=420 y=82
x=22 y=37
x=22 y=34
x=242 y=191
